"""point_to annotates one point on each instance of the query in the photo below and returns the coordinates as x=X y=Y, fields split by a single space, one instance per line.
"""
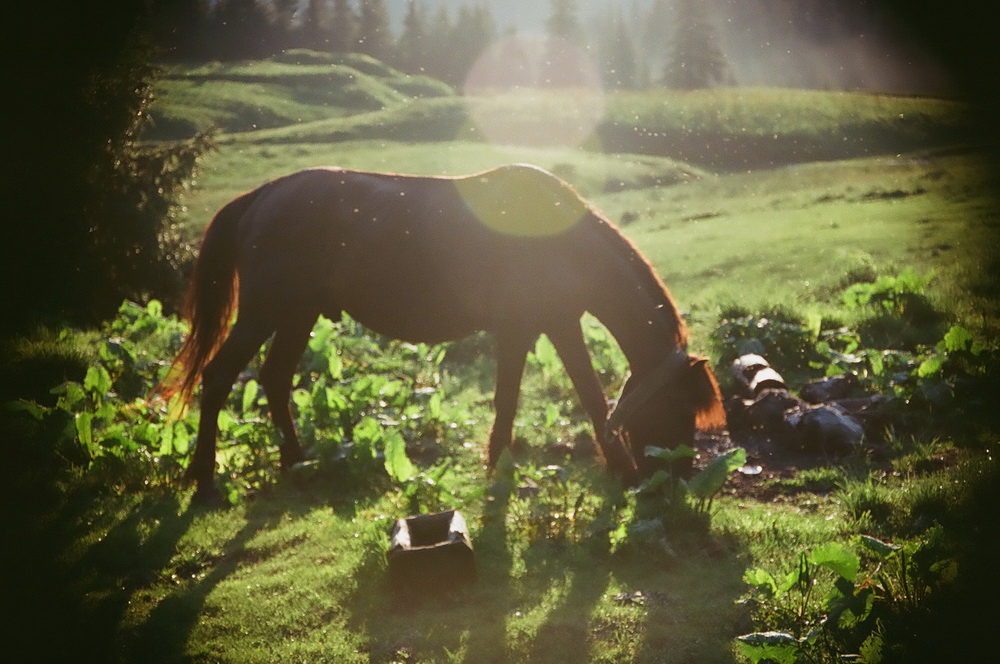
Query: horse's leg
x=217 y=380
x=276 y=377
x=512 y=351
x=572 y=349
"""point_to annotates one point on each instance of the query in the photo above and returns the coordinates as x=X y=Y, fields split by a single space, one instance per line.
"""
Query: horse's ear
x=709 y=413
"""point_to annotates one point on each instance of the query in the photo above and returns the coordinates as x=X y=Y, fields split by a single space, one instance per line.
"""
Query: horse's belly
x=412 y=308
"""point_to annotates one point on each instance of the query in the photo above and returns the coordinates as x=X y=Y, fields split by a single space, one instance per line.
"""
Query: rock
x=829 y=389
x=826 y=428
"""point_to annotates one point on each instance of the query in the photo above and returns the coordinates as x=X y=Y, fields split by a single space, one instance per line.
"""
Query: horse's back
x=422 y=258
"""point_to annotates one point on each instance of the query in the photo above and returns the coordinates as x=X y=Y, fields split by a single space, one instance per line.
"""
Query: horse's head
x=665 y=407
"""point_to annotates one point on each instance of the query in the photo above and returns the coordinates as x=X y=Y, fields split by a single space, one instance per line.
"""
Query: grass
x=296 y=571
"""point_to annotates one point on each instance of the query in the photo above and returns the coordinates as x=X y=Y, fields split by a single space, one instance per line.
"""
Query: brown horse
x=513 y=251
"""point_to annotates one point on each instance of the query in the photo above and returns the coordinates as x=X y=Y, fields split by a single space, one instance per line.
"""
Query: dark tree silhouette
x=412 y=49
x=696 y=60
x=619 y=68
x=374 y=35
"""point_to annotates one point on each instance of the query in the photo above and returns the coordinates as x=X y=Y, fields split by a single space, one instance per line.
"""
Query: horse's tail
x=210 y=300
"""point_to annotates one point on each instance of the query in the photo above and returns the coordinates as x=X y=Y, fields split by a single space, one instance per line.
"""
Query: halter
x=629 y=403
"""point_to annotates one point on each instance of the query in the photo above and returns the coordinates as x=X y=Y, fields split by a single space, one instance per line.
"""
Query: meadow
x=763 y=211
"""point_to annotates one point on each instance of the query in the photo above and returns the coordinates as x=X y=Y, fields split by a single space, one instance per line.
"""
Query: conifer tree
x=314 y=30
x=412 y=47
x=439 y=56
x=374 y=35
x=343 y=27
x=618 y=59
x=474 y=30
x=696 y=60
x=563 y=21
x=561 y=66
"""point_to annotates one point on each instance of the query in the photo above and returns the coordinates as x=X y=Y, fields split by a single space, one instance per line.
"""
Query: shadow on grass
x=559 y=601
x=85 y=557
x=72 y=587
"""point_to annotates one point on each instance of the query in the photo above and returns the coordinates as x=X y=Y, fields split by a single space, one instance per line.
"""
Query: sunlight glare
x=519 y=70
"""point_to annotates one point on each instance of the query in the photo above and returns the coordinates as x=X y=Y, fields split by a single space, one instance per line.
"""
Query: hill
x=293 y=87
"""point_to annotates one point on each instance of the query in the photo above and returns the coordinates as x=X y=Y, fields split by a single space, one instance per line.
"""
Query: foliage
x=834 y=603
x=937 y=383
x=348 y=413
x=93 y=205
x=667 y=501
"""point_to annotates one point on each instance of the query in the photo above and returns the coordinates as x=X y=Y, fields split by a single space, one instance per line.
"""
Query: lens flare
x=522 y=200
x=556 y=79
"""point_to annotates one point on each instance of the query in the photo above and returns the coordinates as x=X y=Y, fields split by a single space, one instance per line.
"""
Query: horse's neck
x=639 y=313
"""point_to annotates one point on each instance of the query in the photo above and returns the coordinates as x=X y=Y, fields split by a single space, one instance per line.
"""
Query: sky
x=832 y=44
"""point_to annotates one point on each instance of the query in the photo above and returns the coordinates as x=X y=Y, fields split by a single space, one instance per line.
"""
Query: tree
x=343 y=27
x=412 y=48
x=563 y=21
x=561 y=66
x=619 y=68
x=473 y=32
x=696 y=60
x=90 y=205
x=374 y=36
x=241 y=29
x=314 y=30
x=439 y=56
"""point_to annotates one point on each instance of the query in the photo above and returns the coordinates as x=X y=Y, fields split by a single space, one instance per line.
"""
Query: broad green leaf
x=70 y=395
x=367 y=431
x=837 y=557
x=226 y=421
x=397 y=463
x=97 y=381
x=761 y=578
x=713 y=476
x=250 y=391
x=959 y=339
x=434 y=407
x=780 y=647
x=181 y=438
x=657 y=480
x=84 y=431
x=931 y=365
x=551 y=414
x=871 y=649
x=335 y=365
x=668 y=455
x=29 y=407
x=302 y=400
x=545 y=354
x=877 y=546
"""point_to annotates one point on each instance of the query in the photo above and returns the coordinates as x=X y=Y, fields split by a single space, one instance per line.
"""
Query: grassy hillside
x=290 y=88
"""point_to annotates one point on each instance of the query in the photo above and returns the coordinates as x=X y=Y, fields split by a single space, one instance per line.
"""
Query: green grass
x=290 y=89
x=296 y=571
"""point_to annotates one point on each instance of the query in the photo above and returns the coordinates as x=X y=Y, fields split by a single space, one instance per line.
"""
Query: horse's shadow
x=491 y=620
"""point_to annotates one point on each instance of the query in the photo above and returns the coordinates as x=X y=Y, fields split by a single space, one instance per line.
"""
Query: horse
x=514 y=251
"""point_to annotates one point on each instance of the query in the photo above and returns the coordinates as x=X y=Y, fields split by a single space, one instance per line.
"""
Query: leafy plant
x=833 y=605
x=549 y=504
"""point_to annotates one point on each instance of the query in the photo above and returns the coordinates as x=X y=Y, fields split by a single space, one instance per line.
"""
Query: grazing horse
x=514 y=251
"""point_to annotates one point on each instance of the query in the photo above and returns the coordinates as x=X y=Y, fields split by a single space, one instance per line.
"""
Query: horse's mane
x=632 y=262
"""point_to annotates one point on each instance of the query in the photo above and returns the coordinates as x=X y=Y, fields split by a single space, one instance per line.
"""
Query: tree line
x=671 y=42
